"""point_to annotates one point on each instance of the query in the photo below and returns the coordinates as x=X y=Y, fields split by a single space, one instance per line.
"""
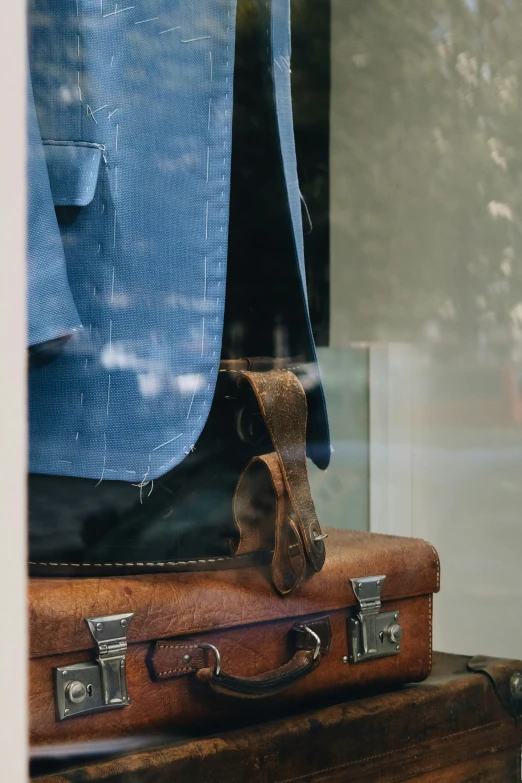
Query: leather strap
x=262 y=516
x=282 y=402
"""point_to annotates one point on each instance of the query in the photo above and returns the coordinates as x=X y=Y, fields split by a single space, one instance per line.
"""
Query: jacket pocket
x=73 y=168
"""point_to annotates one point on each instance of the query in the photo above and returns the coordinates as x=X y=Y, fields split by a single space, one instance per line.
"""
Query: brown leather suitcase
x=461 y=726
x=114 y=656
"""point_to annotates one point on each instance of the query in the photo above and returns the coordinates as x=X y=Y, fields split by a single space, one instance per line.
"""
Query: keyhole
x=89 y=690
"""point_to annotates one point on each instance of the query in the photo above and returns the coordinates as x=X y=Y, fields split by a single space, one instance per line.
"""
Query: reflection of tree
x=428 y=204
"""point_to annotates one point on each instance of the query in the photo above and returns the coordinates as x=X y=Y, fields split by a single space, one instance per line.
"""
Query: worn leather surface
x=500 y=672
x=262 y=511
x=167 y=605
x=181 y=658
x=282 y=402
x=450 y=728
x=184 y=704
x=238 y=612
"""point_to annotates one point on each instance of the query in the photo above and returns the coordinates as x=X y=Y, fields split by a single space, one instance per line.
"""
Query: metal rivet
x=65 y=673
x=187 y=658
x=396 y=616
x=99 y=626
x=398 y=647
x=122 y=664
x=515 y=685
x=359 y=585
x=66 y=712
x=378 y=582
x=359 y=655
x=321 y=537
x=345 y=659
x=123 y=623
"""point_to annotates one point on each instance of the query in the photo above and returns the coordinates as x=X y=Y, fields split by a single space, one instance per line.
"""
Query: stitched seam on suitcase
x=184 y=669
x=242 y=372
x=392 y=752
x=430 y=610
x=144 y=564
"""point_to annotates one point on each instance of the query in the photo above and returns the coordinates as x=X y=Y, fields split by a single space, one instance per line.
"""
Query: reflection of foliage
x=427 y=156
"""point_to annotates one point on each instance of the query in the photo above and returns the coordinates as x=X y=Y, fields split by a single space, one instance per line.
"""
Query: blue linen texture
x=130 y=132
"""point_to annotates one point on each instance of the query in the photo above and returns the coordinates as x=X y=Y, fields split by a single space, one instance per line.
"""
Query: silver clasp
x=101 y=685
x=372 y=633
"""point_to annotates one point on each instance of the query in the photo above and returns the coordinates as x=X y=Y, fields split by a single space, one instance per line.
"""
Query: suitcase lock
x=372 y=633
x=95 y=686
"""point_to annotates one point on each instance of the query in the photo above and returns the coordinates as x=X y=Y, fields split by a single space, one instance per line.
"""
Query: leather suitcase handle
x=303 y=662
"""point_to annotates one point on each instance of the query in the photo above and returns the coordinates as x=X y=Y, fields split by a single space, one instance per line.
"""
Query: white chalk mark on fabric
x=104 y=461
x=167 y=442
x=108 y=393
x=193 y=395
x=118 y=11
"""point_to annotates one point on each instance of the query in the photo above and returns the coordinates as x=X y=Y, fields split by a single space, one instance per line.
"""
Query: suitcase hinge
x=372 y=633
x=101 y=685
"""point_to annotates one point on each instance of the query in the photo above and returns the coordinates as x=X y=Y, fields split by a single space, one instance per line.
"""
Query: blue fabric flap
x=51 y=307
x=73 y=171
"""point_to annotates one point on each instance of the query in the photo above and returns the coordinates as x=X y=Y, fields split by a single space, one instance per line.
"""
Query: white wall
x=13 y=654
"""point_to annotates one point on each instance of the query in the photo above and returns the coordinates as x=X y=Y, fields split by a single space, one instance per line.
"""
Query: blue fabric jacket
x=129 y=135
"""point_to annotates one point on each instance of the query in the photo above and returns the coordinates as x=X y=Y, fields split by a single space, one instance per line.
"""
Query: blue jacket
x=129 y=134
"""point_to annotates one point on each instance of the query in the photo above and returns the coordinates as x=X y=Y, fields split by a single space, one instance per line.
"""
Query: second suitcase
x=116 y=656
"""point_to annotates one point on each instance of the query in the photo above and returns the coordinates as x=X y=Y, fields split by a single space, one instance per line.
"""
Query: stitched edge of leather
x=430 y=610
x=146 y=564
x=295 y=367
x=166 y=563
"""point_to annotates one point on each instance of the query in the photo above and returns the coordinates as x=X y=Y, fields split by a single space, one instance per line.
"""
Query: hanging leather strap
x=282 y=403
x=262 y=516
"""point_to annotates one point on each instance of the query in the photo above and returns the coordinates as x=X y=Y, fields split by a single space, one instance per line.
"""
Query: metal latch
x=101 y=685
x=372 y=633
